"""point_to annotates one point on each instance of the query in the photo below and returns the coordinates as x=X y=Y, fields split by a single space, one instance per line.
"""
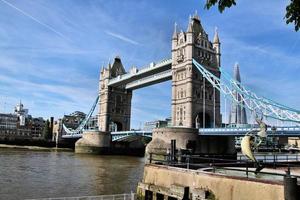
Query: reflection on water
x=33 y=174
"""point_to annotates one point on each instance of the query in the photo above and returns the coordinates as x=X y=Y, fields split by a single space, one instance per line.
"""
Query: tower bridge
x=195 y=71
x=135 y=78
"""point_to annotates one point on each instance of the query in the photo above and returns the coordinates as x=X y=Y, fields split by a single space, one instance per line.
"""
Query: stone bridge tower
x=114 y=102
x=195 y=103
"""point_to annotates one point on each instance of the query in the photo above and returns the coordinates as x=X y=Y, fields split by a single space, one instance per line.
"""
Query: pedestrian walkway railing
x=274 y=157
x=217 y=164
x=125 y=196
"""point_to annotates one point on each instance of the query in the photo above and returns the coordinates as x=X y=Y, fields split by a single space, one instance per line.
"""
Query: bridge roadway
x=280 y=132
x=138 y=78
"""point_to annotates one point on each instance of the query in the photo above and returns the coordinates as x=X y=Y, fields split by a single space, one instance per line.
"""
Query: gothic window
x=198 y=93
x=181 y=114
x=180 y=55
x=118 y=103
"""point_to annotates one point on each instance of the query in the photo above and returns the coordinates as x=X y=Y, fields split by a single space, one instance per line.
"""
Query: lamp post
x=273 y=137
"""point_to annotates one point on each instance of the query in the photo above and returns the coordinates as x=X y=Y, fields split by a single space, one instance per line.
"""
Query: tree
x=292 y=10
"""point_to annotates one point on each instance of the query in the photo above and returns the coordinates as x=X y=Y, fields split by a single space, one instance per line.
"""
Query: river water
x=42 y=174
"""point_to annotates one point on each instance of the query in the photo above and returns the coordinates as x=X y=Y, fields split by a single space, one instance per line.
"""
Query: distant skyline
x=51 y=51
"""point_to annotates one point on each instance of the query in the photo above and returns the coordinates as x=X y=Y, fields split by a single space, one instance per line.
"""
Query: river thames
x=26 y=174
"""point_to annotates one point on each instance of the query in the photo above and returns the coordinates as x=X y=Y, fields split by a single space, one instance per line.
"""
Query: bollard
x=290 y=187
x=247 y=168
x=150 y=158
x=173 y=150
x=179 y=155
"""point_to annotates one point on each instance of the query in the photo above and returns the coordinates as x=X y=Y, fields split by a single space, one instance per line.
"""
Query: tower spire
x=190 y=26
x=238 y=112
x=102 y=68
x=175 y=31
x=236 y=71
x=196 y=16
x=216 y=36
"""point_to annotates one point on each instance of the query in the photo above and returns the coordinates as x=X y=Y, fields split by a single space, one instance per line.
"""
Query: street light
x=273 y=129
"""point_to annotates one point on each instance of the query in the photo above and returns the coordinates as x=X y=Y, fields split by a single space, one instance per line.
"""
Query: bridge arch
x=198 y=120
x=115 y=126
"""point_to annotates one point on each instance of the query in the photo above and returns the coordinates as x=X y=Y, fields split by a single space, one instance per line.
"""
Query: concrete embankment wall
x=222 y=187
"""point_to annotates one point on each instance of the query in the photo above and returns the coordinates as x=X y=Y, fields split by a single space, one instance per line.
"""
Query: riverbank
x=37 y=148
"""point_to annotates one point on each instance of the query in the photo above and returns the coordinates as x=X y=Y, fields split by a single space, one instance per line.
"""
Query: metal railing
x=125 y=196
x=273 y=157
x=196 y=162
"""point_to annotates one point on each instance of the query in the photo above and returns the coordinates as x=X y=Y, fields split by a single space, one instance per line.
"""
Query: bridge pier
x=94 y=142
x=188 y=139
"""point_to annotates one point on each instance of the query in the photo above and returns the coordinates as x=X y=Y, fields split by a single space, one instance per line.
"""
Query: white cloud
x=35 y=19
x=121 y=37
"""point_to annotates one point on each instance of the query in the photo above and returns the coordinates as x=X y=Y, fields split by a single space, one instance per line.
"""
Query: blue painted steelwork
x=118 y=136
x=80 y=128
x=249 y=100
x=262 y=105
x=279 y=132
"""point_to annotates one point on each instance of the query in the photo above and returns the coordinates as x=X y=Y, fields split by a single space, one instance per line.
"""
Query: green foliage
x=222 y=4
x=292 y=10
x=293 y=13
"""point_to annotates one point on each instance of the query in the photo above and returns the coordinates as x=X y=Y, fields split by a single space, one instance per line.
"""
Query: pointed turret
x=109 y=65
x=117 y=67
x=174 y=37
x=190 y=25
x=196 y=16
x=216 y=37
x=217 y=47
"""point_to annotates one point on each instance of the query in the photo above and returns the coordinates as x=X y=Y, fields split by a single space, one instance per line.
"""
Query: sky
x=51 y=51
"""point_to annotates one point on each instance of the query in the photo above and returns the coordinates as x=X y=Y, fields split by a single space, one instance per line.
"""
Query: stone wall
x=178 y=183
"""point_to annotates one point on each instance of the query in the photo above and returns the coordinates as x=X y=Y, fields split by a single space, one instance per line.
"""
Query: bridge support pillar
x=189 y=141
x=94 y=142
x=186 y=139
